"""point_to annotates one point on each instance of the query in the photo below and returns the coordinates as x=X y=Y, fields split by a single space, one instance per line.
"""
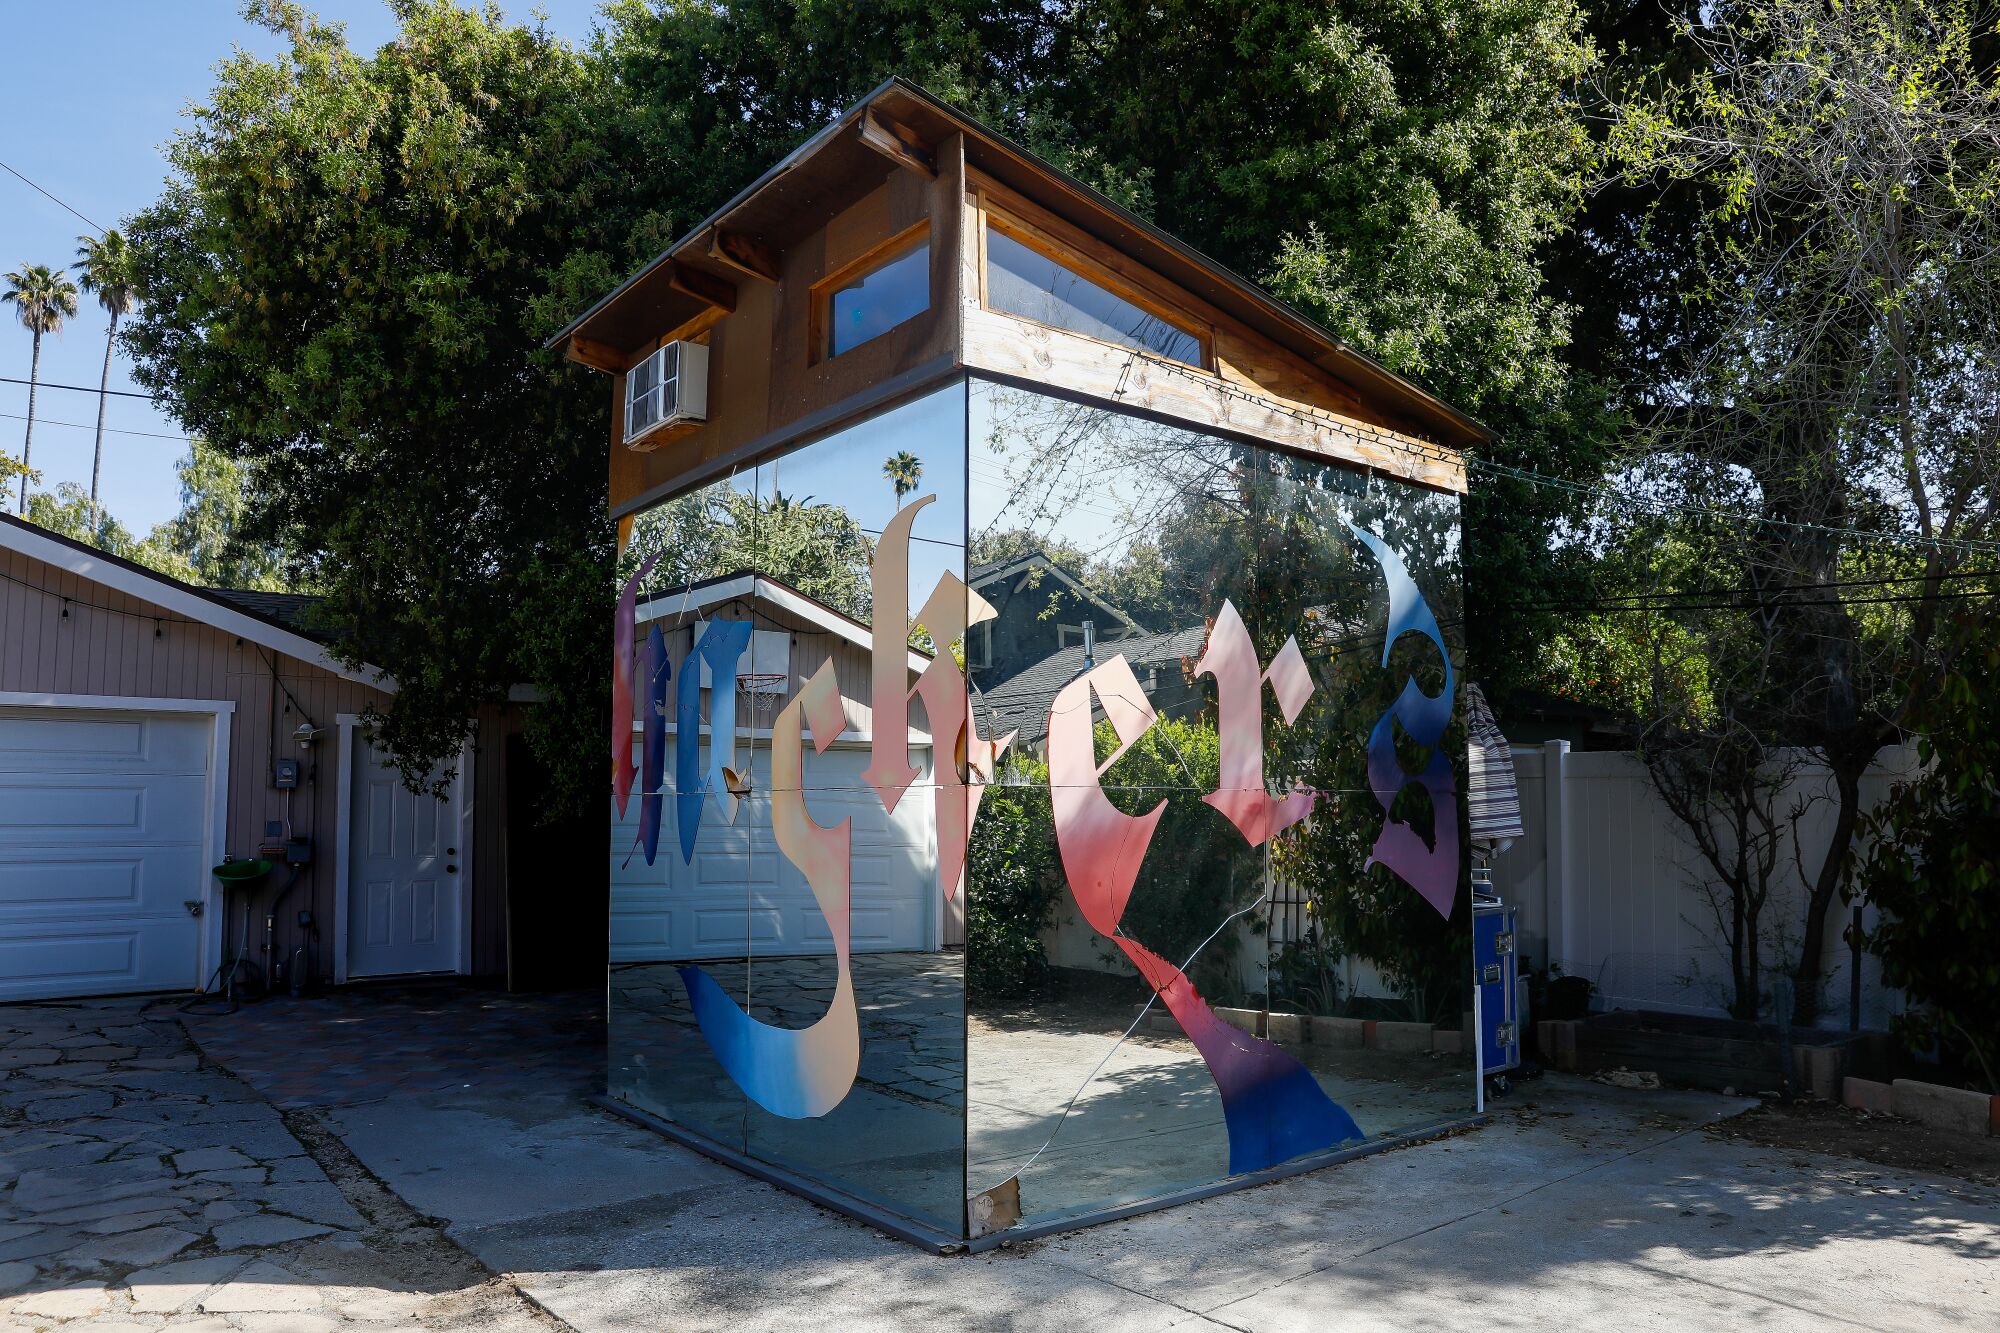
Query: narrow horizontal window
x=1023 y=281
x=871 y=304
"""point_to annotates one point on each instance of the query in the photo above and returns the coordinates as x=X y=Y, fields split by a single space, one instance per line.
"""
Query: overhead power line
x=51 y=197
x=77 y=388
x=1584 y=606
x=1773 y=592
x=108 y=430
x=1654 y=505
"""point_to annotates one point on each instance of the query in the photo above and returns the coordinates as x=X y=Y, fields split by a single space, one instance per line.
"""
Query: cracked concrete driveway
x=146 y=1190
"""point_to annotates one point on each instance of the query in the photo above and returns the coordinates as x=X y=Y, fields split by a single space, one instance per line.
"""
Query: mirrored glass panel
x=787 y=923
x=1220 y=920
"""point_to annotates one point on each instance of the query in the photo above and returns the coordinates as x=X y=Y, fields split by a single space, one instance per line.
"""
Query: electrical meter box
x=1496 y=964
x=284 y=774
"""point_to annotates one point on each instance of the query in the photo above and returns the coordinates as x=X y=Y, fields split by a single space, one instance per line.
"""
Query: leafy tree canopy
x=346 y=285
x=202 y=544
x=347 y=281
x=817 y=548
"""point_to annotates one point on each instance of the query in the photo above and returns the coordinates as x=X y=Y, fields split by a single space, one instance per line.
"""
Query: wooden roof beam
x=897 y=142
x=704 y=287
x=734 y=250
x=598 y=356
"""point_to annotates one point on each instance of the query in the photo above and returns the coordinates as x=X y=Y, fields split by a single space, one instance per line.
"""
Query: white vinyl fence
x=1605 y=883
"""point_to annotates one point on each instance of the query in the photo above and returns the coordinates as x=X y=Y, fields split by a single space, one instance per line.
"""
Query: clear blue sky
x=86 y=120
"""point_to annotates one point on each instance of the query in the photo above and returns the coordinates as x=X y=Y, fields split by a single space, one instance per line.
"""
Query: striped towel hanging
x=1493 y=800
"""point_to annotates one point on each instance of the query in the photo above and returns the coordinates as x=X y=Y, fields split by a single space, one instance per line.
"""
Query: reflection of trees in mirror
x=1300 y=568
x=1095 y=479
x=1200 y=870
x=1159 y=520
x=1167 y=523
x=905 y=472
x=1368 y=914
x=817 y=548
x=1013 y=884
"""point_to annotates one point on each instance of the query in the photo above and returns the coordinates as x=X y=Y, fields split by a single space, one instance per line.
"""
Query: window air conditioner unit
x=667 y=388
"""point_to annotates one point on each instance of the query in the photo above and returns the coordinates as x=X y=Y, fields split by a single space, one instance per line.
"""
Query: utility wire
x=1435 y=453
x=1655 y=505
x=108 y=430
x=46 y=194
x=77 y=388
x=1780 y=595
x=1751 y=604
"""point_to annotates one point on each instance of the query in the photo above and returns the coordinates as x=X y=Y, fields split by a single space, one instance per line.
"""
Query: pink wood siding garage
x=95 y=654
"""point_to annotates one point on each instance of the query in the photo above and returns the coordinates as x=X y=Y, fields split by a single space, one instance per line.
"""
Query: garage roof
x=253 y=617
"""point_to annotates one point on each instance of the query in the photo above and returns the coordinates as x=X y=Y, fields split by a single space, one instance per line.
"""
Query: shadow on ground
x=1577 y=1202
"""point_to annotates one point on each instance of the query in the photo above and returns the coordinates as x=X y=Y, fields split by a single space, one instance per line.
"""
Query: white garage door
x=671 y=910
x=102 y=824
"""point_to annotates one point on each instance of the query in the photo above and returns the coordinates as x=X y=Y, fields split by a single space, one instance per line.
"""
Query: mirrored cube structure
x=1036 y=782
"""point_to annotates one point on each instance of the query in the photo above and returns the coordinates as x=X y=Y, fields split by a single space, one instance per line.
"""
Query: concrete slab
x=1578 y=1203
x=745 y=1255
x=1585 y=1200
x=1955 y=1109
x=1689 y=1233
x=481 y=1158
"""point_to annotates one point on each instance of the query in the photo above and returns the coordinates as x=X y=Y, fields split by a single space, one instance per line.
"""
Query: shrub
x=1013 y=884
x=1933 y=870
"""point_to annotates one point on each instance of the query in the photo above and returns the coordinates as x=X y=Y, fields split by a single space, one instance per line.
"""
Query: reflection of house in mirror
x=1164 y=663
x=1041 y=609
x=936 y=474
x=653 y=921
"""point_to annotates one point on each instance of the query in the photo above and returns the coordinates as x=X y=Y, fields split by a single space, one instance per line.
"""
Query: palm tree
x=904 y=471
x=104 y=266
x=43 y=298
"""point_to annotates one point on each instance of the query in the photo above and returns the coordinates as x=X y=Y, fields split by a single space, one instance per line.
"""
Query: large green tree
x=357 y=259
x=1841 y=396
x=346 y=285
x=1398 y=172
x=1933 y=868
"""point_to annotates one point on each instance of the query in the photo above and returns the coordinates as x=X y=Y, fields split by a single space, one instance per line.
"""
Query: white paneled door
x=103 y=821
x=405 y=870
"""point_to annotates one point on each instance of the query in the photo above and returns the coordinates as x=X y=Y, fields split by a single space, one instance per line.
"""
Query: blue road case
x=1494 y=960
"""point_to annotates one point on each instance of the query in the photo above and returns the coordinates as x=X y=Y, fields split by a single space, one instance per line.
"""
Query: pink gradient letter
x=1231 y=658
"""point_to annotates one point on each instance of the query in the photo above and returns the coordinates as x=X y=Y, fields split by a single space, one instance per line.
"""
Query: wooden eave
x=840 y=164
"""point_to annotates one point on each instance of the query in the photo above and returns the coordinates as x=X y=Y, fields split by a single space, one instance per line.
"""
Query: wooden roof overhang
x=693 y=282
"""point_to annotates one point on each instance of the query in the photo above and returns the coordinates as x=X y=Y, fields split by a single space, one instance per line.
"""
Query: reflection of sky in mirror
x=1059 y=470
x=1104 y=483
x=845 y=469
x=1100 y=480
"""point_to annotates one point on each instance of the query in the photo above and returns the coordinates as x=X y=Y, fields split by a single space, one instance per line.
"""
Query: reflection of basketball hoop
x=764 y=689
x=762 y=683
